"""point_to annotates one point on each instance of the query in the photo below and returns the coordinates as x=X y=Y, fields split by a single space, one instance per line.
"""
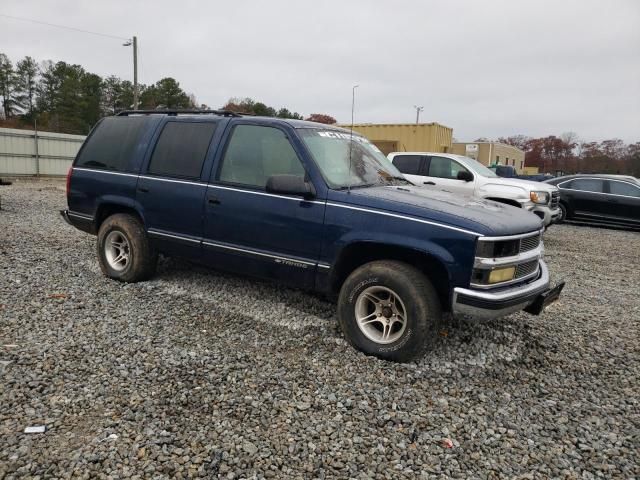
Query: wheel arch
x=567 y=206
x=111 y=207
x=358 y=253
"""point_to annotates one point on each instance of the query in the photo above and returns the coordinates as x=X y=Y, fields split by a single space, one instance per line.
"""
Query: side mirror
x=290 y=185
x=465 y=175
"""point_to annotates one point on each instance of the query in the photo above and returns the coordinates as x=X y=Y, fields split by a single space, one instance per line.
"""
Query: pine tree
x=7 y=87
x=26 y=81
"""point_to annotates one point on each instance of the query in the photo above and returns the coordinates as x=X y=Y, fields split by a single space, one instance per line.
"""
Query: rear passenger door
x=624 y=200
x=255 y=232
x=171 y=188
x=411 y=166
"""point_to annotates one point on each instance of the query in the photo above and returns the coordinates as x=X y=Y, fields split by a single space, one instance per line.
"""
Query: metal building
x=406 y=137
x=491 y=153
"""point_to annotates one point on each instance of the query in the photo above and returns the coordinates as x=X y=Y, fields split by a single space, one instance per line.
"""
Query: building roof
x=494 y=143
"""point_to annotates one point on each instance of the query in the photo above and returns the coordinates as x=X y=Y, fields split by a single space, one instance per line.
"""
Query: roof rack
x=223 y=113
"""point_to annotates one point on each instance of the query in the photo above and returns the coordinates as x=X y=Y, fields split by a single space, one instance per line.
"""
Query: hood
x=482 y=216
x=527 y=185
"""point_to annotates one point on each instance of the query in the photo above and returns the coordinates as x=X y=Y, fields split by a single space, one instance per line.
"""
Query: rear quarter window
x=409 y=164
x=112 y=145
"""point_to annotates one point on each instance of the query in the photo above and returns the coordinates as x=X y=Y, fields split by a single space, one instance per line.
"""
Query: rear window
x=113 y=144
x=181 y=149
x=409 y=164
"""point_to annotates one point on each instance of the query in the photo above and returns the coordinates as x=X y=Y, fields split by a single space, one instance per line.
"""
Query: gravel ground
x=197 y=373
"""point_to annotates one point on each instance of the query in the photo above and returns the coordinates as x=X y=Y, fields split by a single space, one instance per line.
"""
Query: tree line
x=251 y=107
x=66 y=98
x=567 y=153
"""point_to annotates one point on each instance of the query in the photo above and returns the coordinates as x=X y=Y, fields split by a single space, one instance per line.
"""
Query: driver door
x=251 y=231
x=442 y=173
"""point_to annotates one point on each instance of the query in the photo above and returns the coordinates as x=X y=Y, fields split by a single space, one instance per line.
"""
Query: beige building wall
x=491 y=153
x=407 y=137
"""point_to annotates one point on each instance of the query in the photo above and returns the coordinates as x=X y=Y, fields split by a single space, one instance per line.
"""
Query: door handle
x=143 y=189
x=429 y=183
x=213 y=200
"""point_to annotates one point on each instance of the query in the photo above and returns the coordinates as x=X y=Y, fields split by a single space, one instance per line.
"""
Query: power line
x=62 y=26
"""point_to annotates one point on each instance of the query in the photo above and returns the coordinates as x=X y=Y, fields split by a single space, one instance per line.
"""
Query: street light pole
x=134 y=43
x=418 y=110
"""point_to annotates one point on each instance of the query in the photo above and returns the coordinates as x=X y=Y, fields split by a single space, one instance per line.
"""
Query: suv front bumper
x=533 y=296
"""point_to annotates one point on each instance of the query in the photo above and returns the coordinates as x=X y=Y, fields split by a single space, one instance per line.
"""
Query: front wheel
x=563 y=213
x=390 y=310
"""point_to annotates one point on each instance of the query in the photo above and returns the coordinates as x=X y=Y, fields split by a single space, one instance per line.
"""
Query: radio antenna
x=353 y=107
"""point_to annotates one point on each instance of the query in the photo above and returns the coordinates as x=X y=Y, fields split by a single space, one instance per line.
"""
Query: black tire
x=142 y=257
x=419 y=299
x=563 y=213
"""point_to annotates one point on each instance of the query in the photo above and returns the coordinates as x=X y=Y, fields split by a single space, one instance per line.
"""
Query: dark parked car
x=308 y=205
x=612 y=200
x=508 y=171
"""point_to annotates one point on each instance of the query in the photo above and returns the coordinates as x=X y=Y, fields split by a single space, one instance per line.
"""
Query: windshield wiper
x=401 y=179
x=392 y=180
x=359 y=185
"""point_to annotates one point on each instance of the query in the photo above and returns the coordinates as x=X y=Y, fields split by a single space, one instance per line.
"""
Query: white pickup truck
x=466 y=176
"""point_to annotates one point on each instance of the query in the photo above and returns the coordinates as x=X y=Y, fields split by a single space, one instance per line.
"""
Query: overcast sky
x=485 y=68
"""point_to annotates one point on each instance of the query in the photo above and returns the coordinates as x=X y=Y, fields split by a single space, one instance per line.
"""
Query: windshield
x=478 y=168
x=330 y=150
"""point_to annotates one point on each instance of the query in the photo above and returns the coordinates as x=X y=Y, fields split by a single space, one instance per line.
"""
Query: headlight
x=539 y=197
x=495 y=249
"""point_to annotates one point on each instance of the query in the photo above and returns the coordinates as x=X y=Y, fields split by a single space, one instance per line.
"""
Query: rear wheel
x=124 y=251
x=390 y=310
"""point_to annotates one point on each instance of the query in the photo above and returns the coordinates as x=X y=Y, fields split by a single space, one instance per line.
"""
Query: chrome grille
x=529 y=243
x=525 y=269
x=555 y=199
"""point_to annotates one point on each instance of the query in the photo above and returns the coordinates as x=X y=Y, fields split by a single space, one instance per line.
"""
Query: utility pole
x=353 y=109
x=418 y=110
x=134 y=43
x=35 y=141
x=135 y=72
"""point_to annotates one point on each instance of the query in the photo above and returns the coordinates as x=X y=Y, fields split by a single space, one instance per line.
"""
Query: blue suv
x=307 y=205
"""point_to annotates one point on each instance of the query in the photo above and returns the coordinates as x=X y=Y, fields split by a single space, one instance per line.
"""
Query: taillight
x=69 y=180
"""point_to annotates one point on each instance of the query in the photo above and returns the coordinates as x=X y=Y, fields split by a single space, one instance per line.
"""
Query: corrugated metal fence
x=25 y=152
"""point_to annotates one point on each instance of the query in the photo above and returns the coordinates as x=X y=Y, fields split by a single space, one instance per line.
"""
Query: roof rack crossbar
x=173 y=112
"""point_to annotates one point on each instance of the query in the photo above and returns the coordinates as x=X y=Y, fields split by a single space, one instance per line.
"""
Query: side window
x=443 y=167
x=622 y=188
x=587 y=185
x=181 y=149
x=113 y=144
x=409 y=164
x=254 y=153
